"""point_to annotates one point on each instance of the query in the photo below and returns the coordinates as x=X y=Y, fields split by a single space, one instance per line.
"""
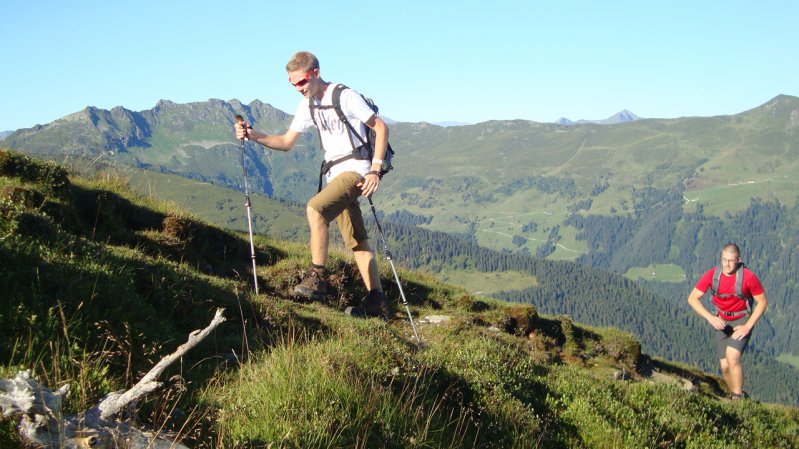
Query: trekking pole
x=240 y=119
x=391 y=262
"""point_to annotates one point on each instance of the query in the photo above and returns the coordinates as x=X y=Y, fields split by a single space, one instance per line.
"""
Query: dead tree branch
x=114 y=402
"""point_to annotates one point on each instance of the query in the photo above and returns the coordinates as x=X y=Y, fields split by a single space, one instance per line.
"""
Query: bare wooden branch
x=114 y=402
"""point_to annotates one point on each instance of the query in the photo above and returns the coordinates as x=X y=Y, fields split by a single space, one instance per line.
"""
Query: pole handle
x=240 y=121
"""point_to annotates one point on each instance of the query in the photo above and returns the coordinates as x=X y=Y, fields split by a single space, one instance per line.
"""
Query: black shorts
x=724 y=338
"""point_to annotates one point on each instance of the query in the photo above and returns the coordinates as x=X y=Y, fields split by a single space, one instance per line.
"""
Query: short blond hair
x=304 y=61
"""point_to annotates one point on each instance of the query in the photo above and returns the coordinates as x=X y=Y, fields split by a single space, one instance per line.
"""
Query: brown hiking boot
x=312 y=287
x=375 y=304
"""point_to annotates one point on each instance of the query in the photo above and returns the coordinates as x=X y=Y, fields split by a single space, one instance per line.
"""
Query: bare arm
x=694 y=300
x=372 y=182
x=381 y=137
x=283 y=142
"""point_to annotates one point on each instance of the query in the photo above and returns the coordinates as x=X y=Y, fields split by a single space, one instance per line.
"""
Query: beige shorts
x=339 y=201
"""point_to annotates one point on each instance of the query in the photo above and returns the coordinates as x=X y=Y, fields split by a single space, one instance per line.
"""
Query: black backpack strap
x=311 y=108
x=337 y=106
x=327 y=165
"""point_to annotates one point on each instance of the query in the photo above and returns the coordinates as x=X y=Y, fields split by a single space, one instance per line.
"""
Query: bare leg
x=735 y=372
x=725 y=371
x=320 y=235
x=367 y=265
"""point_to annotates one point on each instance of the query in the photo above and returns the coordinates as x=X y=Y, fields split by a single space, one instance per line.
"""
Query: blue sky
x=468 y=61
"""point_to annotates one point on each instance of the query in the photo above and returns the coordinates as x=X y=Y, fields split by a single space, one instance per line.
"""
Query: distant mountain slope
x=623 y=116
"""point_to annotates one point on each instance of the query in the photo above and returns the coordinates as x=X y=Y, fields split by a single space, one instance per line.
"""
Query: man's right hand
x=243 y=129
x=717 y=322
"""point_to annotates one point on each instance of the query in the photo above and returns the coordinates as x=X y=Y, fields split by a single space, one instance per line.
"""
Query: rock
x=436 y=319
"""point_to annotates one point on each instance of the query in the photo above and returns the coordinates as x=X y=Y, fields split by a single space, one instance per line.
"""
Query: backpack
x=364 y=151
x=739 y=282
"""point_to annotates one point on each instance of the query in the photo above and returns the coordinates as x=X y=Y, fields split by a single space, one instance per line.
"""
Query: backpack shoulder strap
x=336 y=97
x=739 y=281
x=739 y=288
x=337 y=106
x=714 y=287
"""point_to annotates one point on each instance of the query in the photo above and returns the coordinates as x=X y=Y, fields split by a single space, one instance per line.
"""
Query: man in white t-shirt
x=346 y=181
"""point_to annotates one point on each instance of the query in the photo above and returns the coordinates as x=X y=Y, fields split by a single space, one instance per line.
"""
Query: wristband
x=373 y=172
x=377 y=161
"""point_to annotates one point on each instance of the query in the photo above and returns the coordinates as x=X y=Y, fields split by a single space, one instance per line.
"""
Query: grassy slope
x=100 y=283
x=223 y=207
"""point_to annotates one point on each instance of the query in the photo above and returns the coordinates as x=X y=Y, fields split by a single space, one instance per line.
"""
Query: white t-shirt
x=334 y=133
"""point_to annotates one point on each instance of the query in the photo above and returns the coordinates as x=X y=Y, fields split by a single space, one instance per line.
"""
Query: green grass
x=223 y=207
x=735 y=196
x=659 y=272
x=346 y=389
x=481 y=283
x=789 y=358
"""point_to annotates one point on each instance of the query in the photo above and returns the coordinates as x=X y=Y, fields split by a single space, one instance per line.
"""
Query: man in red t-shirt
x=733 y=321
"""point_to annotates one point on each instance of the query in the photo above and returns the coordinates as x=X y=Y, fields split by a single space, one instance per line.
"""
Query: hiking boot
x=373 y=305
x=376 y=304
x=312 y=287
x=735 y=396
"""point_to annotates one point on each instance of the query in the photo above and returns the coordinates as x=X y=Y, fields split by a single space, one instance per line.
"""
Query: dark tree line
x=405 y=218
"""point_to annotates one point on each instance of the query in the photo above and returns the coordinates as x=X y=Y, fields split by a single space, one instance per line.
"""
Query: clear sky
x=467 y=61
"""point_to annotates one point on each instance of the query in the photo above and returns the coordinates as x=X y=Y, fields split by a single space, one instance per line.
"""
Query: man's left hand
x=369 y=184
x=740 y=332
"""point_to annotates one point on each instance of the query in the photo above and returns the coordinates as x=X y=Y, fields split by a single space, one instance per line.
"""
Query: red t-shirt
x=751 y=287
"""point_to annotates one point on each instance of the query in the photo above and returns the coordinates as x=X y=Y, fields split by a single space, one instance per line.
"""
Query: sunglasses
x=303 y=81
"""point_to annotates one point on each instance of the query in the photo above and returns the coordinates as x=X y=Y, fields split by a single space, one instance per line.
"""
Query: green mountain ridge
x=99 y=284
x=704 y=151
